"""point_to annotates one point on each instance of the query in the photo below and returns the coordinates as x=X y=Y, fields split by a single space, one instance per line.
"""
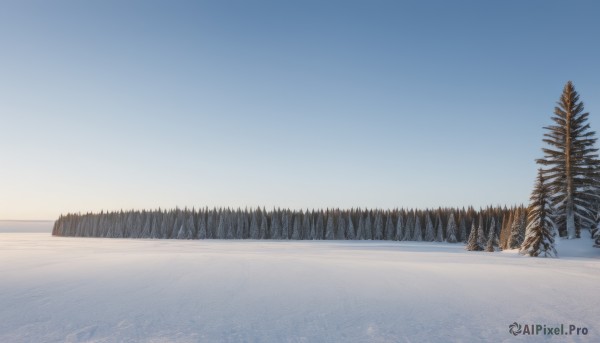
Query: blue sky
x=141 y=104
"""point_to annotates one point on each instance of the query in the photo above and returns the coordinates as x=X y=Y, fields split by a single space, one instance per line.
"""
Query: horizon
x=291 y=105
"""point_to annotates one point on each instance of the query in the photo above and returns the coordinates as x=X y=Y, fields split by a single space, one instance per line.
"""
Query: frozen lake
x=58 y=289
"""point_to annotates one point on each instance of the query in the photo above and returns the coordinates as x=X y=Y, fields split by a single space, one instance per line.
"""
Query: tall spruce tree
x=429 y=233
x=451 y=230
x=473 y=244
x=539 y=236
x=572 y=164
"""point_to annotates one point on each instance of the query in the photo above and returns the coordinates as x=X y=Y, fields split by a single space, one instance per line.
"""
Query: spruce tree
x=572 y=164
x=360 y=231
x=492 y=241
x=463 y=230
x=399 y=227
x=417 y=234
x=350 y=228
x=481 y=239
x=389 y=227
x=429 y=233
x=517 y=231
x=451 y=230
x=539 y=236
x=439 y=237
x=473 y=244
x=340 y=233
x=329 y=228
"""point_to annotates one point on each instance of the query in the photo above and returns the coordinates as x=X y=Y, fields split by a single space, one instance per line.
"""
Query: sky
x=302 y=104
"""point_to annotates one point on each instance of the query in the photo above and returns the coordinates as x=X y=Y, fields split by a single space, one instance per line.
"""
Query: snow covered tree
x=492 y=241
x=254 y=230
x=539 y=235
x=451 y=230
x=463 y=230
x=517 y=230
x=264 y=226
x=378 y=227
x=285 y=226
x=429 y=233
x=275 y=227
x=329 y=228
x=408 y=230
x=389 y=227
x=572 y=162
x=417 y=235
x=340 y=233
x=360 y=231
x=350 y=228
x=367 y=229
x=473 y=244
x=481 y=240
x=399 y=227
x=319 y=226
x=306 y=227
x=439 y=236
x=296 y=228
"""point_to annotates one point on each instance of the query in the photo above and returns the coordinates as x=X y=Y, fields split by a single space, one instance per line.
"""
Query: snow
x=62 y=289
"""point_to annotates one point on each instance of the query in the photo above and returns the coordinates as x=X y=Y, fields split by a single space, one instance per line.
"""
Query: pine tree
x=264 y=226
x=360 y=231
x=408 y=230
x=517 y=231
x=285 y=226
x=367 y=229
x=296 y=228
x=481 y=241
x=439 y=237
x=417 y=235
x=492 y=241
x=329 y=228
x=451 y=230
x=350 y=228
x=463 y=230
x=539 y=237
x=340 y=233
x=378 y=227
x=399 y=227
x=275 y=227
x=572 y=163
x=473 y=244
x=429 y=233
x=254 y=230
x=389 y=227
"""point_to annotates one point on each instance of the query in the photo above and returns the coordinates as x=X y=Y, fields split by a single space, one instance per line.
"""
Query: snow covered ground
x=56 y=289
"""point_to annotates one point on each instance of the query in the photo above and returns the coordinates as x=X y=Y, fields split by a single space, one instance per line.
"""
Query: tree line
x=505 y=226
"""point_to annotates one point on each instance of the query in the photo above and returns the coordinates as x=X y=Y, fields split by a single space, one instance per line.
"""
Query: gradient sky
x=141 y=104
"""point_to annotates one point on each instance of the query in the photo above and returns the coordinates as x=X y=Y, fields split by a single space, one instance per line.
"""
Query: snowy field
x=57 y=289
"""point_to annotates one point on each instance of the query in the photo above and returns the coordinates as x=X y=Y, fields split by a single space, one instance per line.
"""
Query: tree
x=340 y=234
x=429 y=233
x=399 y=227
x=439 y=237
x=481 y=241
x=350 y=228
x=463 y=230
x=539 y=236
x=517 y=230
x=492 y=241
x=572 y=164
x=389 y=227
x=451 y=230
x=473 y=244
x=417 y=235
x=329 y=228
